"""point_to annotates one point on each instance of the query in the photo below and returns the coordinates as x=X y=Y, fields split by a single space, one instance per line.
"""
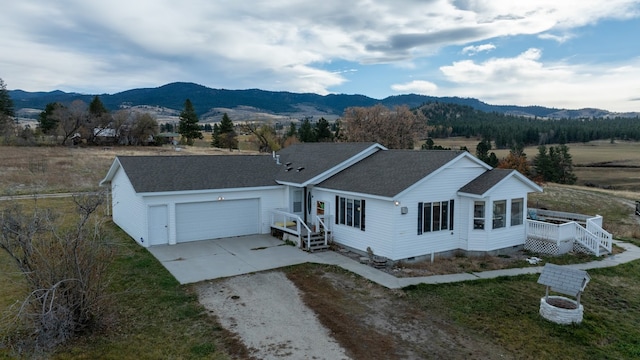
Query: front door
x=158 y=225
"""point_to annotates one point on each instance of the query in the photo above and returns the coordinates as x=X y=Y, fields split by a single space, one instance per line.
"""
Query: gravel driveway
x=266 y=312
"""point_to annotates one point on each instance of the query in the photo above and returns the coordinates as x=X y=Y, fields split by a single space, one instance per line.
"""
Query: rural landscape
x=145 y=313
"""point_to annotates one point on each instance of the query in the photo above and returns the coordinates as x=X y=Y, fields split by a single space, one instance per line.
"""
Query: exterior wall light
x=220 y=198
x=396 y=203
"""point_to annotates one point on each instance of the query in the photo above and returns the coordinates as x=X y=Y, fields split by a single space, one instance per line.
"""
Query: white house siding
x=378 y=233
x=129 y=211
x=443 y=186
x=508 y=236
x=270 y=199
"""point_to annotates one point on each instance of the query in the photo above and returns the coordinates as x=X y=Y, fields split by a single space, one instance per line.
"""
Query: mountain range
x=260 y=104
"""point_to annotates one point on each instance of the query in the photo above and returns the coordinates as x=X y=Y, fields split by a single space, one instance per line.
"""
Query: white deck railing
x=593 y=237
x=290 y=223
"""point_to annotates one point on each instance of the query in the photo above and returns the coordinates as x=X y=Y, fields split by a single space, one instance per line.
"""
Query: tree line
x=450 y=120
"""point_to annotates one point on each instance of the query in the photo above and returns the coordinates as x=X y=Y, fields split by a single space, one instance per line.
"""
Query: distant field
x=28 y=170
x=600 y=163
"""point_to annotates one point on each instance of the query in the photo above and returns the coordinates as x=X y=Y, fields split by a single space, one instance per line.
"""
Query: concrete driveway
x=211 y=259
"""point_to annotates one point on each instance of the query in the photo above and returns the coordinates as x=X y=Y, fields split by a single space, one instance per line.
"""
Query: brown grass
x=599 y=151
x=28 y=170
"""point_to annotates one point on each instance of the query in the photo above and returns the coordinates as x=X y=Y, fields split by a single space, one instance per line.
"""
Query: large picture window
x=517 y=210
x=435 y=216
x=350 y=212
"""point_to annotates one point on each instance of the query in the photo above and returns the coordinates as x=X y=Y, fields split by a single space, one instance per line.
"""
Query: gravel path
x=266 y=312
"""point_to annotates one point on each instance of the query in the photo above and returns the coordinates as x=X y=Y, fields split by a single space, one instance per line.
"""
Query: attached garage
x=217 y=219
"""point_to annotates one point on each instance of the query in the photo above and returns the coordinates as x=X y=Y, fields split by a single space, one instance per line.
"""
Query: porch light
x=396 y=203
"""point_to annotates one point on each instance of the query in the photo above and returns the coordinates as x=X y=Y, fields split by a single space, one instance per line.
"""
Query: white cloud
x=526 y=80
x=557 y=38
x=417 y=87
x=473 y=50
x=96 y=46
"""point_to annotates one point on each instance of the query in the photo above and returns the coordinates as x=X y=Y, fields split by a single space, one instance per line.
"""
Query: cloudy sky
x=557 y=53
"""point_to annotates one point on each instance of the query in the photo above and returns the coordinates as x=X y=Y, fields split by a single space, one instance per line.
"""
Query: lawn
x=151 y=317
x=506 y=309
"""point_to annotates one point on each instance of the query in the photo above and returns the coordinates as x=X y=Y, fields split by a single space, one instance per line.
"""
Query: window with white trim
x=517 y=211
x=478 y=215
x=350 y=212
x=435 y=216
x=499 y=214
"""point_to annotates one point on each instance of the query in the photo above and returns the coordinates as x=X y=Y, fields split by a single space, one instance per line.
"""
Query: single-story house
x=397 y=203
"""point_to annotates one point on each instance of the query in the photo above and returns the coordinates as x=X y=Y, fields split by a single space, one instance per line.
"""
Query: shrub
x=65 y=271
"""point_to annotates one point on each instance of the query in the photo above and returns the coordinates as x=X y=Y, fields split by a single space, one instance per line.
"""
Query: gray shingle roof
x=314 y=159
x=563 y=279
x=198 y=172
x=388 y=173
x=486 y=181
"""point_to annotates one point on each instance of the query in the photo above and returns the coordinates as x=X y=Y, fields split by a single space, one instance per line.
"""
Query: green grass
x=506 y=309
x=155 y=317
x=152 y=316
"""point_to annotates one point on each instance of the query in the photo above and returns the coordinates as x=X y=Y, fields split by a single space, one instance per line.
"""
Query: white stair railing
x=587 y=239
x=605 y=238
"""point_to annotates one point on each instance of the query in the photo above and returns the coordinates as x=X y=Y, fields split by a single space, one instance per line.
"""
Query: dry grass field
x=600 y=163
x=29 y=170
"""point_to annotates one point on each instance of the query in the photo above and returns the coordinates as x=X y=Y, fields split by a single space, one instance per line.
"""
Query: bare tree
x=65 y=269
x=396 y=129
x=70 y=119
x=144 y=128
x=264 y=135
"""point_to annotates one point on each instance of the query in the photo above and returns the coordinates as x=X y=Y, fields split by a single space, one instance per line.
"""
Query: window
x=350 y=212
x=297 y=201
x=478 y=215
x=499 y=213
x=517 y=211
x=435 y=216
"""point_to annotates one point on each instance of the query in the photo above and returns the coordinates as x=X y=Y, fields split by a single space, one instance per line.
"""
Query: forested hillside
x=173 y=95
x=447 y=120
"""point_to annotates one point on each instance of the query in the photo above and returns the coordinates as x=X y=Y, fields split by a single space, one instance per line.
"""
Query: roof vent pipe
x=277 y=159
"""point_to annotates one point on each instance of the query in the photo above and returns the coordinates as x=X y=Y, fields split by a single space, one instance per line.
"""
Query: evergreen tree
x=224 y=135
x=7 y=123
x=306 y=133
x=97 y=108
x=47 y=119
x=293 y=131
x=323 y=131
x=555 y=165
x=6 y=104
x=188 y=126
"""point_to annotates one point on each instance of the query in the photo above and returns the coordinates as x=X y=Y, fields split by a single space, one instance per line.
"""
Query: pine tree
x=188 y=126
x=224 y=135
x=47 y=120
x=305 y=133
x=6 y=104
x=323 y=131
x=293 y=131
x=97 y=108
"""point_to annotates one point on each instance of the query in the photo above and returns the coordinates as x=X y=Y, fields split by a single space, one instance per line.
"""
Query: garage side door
x=217 y=219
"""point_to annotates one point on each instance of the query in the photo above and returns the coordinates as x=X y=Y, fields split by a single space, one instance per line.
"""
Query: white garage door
x=217 y=219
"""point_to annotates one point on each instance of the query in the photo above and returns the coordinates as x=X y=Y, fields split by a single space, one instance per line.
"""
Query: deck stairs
x=315 y=242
